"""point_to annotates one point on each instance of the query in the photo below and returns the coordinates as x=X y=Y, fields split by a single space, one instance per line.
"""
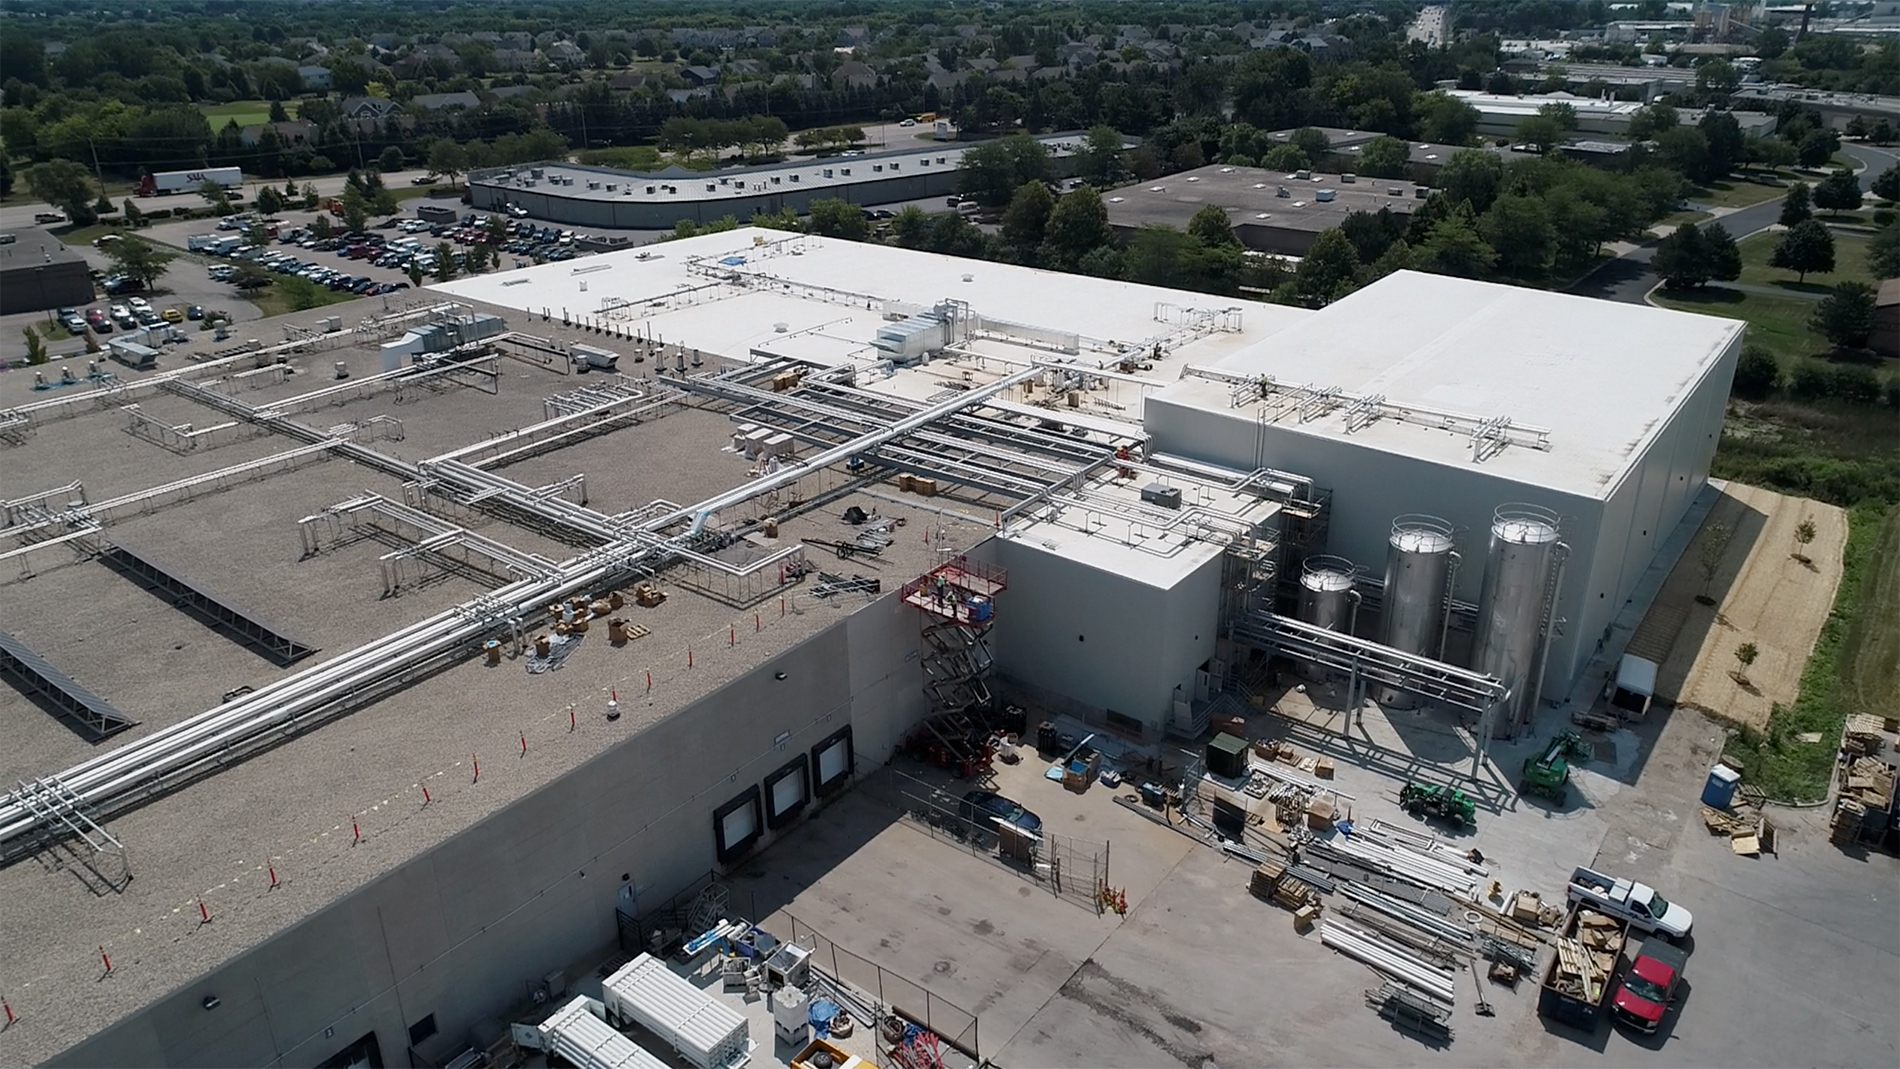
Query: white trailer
x=579 y=1033
x=187 y=181
x=705 y=1031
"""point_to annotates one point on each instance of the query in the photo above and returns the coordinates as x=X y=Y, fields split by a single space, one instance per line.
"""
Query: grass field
x=1855 y=661
x=1736 y=194
x=279 y=299
x=1778 y=324
x=245 y=112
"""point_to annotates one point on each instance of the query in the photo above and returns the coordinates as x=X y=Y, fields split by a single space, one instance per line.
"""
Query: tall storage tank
x=1418 y=564
x=1326 y=596
x=1511 y=610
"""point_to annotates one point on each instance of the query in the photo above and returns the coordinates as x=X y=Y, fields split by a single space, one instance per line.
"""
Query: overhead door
x=736 y=824
x=786 y=792
x=832 y=758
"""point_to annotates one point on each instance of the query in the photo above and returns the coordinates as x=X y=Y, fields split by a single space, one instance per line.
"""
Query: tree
x=444 y=262
x=1769 y=152
x=1746 y=654
x=131 y=214
x=355 y=211
x=250 y=276
x=1817 y=147
x=1518 y=228
x=1838 y=192
x=321 y=229
x=1444 y=119
x=1723 y=135
x=1454 y=247
x=836 y=218
x=991 y=172
x=1804 y=247
x=414 y=271
x=1725 y=257
x=1709 y=554
x=1803 y=534
x=1717 y=78
x=1845 y=316
x=1883 y=252
x=1472 y=176
x=1795 y=207
x=1756 y=374
x=277 y=112
x=1684 y=150
x=1651 y=121
x=1313 y=144
x=104 y=205
x=301 y=294
x=1100 y=159
x=35 y=347
x=64 y=185
x=391 y=159
x=268 y=201
x=1385 y=157
x=1327 y=272
x=140 y=261
x=214 y=194
x=911 y=228
x=1026 y=219
x=1210 y=226
x=1283 y=158
x=448 y=159
x=1887 y=185
x=1078 y=225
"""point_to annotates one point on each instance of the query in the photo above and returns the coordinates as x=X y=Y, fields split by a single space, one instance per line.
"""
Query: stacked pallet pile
x=1585 y=964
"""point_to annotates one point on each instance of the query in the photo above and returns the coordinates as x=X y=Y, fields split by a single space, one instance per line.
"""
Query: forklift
x=1547 y=772
x=1432 y=800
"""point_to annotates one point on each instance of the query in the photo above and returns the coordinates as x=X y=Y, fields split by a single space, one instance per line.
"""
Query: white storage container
x=705 y=1031
x=579 y=1035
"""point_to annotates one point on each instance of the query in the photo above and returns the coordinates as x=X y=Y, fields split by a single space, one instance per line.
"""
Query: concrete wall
x=1102 y=641
x=458 y=930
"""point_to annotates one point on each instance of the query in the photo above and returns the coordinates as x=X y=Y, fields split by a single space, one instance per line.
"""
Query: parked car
x=1649 y=986
x=173 y=315
x=985 y=807
x=73 y=323
x=195 y=312
x=138 y=304
x=423 y=180
x=1640 y=904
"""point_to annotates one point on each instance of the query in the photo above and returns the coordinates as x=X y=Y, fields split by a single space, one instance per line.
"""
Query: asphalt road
x=1628 y=277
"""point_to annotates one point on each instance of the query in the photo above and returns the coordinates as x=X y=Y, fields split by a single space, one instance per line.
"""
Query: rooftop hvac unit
x=534 y=172
x=611 y=186
x=1396 y=191
x=1348 y=179
x=1167 y=497
x=1283 y=192
x=591 y=184
x=1323 y=195
x=1421 y=192
x=1303 y=175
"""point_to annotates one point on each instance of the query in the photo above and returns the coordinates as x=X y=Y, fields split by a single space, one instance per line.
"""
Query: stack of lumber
x=1584 y=964
x=1849 y=815
x=1862 y=735
x=1266 y=879
x=1867 y=781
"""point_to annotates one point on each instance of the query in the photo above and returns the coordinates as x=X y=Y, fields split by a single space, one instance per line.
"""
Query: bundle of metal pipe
x=1398 y=964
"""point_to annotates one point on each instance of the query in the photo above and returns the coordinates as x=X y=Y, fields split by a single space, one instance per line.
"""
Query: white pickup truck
x=1637 y=903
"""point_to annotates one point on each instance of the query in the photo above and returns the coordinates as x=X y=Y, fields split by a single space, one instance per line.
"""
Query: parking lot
x=1795 y=955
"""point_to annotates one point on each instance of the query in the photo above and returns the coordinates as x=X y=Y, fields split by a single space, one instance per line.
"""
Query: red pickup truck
x=1649 y=986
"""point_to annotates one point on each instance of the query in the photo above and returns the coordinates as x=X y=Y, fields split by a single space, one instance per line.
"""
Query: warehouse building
x=38 y=272
x=1270 y=211
x=632 y=200
x=405 y=775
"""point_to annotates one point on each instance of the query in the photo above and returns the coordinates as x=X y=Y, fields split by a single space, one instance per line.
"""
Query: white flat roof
x=1109 y=528
x=831 y=296
x=1600 y=376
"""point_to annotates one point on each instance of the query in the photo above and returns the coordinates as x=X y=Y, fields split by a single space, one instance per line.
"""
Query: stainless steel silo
x=1418 y=568
x=1513 y=606
x=1326 y=594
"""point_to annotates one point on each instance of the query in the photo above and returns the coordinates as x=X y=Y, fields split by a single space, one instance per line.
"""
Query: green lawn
x=1736 y=194
x=1778 y=324
x=1855 y=667
x=1679 y=218
x=275 y=300
x=1850 y=264
x=245 y=112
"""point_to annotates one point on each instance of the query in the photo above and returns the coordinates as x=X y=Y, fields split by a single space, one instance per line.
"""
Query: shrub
x=1756 y=374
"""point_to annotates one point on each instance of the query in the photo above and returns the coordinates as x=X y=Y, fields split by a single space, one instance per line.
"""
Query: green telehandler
x=1547 y=772
x=1433 y=800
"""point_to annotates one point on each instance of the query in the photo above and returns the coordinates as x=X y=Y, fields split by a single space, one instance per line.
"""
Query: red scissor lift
x=958 y=601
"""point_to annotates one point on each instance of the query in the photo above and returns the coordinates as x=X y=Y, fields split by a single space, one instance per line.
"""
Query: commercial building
x=1270 y=211
x=1499 y=116
x=833 y=498
x=38 y=272
x=632 y=200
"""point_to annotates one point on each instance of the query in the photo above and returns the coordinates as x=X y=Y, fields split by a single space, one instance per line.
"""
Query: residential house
x=852 y=37
x=373 y=109
x=627 y=80
x=982 y=63
x=509 y=92
x=698 y=76
x=946 y=81
x=315 y=79
x=853 y=74
x=565 y=54
x=517 y=59
x=444 y=101
x=682 y=96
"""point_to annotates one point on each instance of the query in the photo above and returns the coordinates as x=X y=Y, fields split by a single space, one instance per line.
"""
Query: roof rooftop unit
x=1323 y=195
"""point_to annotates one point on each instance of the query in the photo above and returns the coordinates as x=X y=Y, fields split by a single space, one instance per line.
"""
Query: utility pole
x=96 y=172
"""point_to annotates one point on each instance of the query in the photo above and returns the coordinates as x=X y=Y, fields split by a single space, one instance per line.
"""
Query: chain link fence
x=874 y=994
x=1072 y=869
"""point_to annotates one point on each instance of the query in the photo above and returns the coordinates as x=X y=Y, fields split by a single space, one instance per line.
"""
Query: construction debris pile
x=1749 y=831
x=1586 y=963
x=1864 y=782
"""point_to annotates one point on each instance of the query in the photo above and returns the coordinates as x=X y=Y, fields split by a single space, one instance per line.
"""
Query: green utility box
x=1227 y=756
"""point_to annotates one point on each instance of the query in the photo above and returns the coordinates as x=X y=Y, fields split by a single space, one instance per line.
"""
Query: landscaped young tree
x=1845 y=316
x=1803 y=248
x=1709 y=554
x=1795 y=207
x=1803 y=535
x=1746 y=654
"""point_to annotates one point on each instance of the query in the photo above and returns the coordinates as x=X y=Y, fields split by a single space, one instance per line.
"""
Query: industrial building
x=1499 y=115
x=38 y=272
x=1270 y=211
x=496 y=647
x=633 y=200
